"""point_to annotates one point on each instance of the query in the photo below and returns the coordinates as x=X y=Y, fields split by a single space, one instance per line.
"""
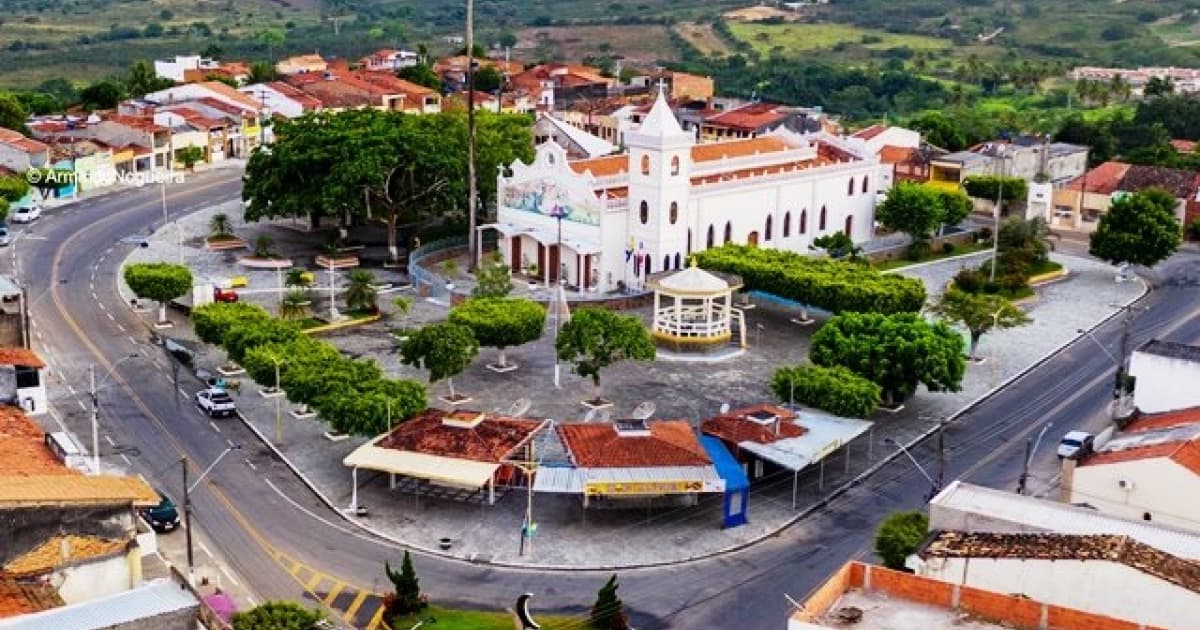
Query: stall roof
x=157 y=597
x=822 y=435
x=447 y=470
x=570 y=480
x=727 y=467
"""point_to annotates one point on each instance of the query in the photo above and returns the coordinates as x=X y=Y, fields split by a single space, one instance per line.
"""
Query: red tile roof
x=1186 y=454
x=228 y=108
x=598 y=445
x=735 y=427
x=870 y=132
x=1184 y=146
x=230 y=94
x=59 y=550
x=21 y=356
x=1103 y=180
x=889 y=154
x=491 y=440
x=737 y=148
x=23 y=451
x=1164 y=420
x=300 y=96
x=749 y=117
x=25 y=597
x=602 y=166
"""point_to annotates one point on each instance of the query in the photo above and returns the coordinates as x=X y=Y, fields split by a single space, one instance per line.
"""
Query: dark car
x=162 y=517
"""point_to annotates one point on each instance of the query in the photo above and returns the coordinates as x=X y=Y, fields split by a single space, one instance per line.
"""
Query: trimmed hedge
x=213 y=321
x=835 y=286
x=834 y=389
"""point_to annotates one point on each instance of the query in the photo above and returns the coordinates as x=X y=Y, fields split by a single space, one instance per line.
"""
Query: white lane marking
x=251 y=465
x=204 y=548
x=182 y=393
x=38 y=334
x=229 y=575
x=127 y=462
x=214 y=426
x=230 y=443
x=81 y=405
x=95 y=297
x=132 y=340
x=109 y=440
x=102 y=306
x=308 y=512
x=253 y=602
x=92 y=285
x=111 y=317
x=71 y=389
x=120 y=327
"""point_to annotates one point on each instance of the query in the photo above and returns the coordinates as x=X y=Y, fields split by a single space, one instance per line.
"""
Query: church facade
x=620 y=218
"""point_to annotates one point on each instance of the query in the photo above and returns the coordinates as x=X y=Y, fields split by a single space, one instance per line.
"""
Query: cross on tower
x=662 y=86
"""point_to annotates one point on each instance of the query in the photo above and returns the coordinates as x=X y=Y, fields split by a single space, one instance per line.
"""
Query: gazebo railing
x=692 y=321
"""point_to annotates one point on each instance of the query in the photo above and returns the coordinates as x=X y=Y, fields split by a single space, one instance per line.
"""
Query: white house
x=173 y=69
x=1109 y=575
x=626 y=216
x=578 y=143
x=877 y=137
x=23 y=380
x=1161 y=368
x=388 y=60
x=1149 y=471
x=281 y=99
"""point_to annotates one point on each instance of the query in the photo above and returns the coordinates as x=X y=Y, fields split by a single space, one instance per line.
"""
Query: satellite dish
x=523 y=615
x=724 y=408
x=606 y=415
x=644 y=410
x=519 y=407
x=591 y=415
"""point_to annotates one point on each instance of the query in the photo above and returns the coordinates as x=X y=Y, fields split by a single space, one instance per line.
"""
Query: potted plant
x=333 y=256
x=220 y=234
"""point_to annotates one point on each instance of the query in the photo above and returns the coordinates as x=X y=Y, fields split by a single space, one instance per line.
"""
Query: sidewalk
x=567 y=536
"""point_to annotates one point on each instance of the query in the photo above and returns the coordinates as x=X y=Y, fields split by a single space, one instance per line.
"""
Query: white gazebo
x=693 y=310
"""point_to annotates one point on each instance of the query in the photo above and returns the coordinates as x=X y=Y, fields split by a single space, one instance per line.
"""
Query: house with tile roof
x=1143 y=471
x=557 y=85
x=755 y=119
x=301 y=64
x=282 y=99
x=629 y=215
x=228 y=101
x=1079 y=204
x=1159 y=369
x=23 y=380
x=1104 y=574
x=135 y=131
x=388 y=60
x=905 y=157
x=20 y=153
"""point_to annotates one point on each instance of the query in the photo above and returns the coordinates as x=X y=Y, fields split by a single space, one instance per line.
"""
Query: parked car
x=26 y=215
x=224 y=295
x=162 y=517
x=215 y=402
x=5 y=238
x=1075 y=445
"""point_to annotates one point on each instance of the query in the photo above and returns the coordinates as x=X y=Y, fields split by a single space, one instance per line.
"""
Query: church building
x=622 y=217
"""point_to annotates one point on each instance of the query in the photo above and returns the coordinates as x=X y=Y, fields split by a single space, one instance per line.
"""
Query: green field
x=452 y=619
x=795 y=38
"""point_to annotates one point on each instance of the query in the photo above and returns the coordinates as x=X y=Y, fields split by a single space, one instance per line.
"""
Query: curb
x=928 y=263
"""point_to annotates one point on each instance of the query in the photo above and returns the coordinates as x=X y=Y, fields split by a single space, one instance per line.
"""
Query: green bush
x=238 y=340
x=832 y=285
x=969 y=280
x=501 y=322
x=834 y=389
x=213 y=321
x=947 y=248
x=1194 y=230
x=899 y=536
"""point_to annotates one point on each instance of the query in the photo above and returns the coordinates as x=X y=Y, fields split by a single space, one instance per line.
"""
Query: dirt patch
x=756 y=14
x=636 y=43
x=703 y=38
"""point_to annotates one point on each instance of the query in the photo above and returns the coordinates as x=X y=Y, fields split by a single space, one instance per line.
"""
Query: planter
x=302 y=413
x=456 y=399
x=230 y=369
x=337 y=262
x=222 y=243
x=264 y=263
x=335 y=437
x=445 y=543
x=597 y=403
x=270 y=392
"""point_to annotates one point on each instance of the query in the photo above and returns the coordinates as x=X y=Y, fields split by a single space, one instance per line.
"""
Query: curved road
x=263 y=520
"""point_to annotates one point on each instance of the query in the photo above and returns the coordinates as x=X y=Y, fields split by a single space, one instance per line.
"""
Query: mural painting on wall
x=542 y=196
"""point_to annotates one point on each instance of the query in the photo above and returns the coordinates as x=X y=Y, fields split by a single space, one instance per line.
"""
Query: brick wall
x=913 y=588
x=821 y=600
x=1017 y=611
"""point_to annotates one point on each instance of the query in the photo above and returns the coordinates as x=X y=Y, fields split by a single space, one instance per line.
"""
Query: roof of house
x=889 y=154
x=738 y=425
x=1171 y=349
x=1177 y=181
x=590 y=144
x=1100 y=547
x=1163 y=420
x=1184 y=146
x=231 y=94
x=25 y=145
x=870 y=132
x=491 y=440
x=26 y=597
x=307 y=101
x=23 y=449
x=1186 y=454
x=62 y=550
x=146 y=602
x=602 y=166
x=1104 y=179
x=749 y=117
x=304 y=60
x=54 y=490
x=599 y=445
x=21 y=356
x=738 y=148
x=393 y=83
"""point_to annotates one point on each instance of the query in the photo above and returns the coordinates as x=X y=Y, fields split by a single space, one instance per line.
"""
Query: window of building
x=689 y=243
x=645 y=165
x=728 y=231
x=678 y=260
x=675 y=165
x=644 y=213
x=711 y=236
x=821 y=221
x=865 y=184
x=804 y=221
x=666 y=262
x=767 y=228
x=849 y=225
x=26 y=377
x=850 y=187
x=674 y=212
x=787 y=224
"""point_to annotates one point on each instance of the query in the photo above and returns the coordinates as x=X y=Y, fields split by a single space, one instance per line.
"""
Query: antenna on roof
x=724 y=408
x=519 y=407
x=644 y=410
x=606 y=414
x=591 y=415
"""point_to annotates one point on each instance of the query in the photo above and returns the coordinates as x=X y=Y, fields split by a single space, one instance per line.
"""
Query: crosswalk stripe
x=333 y=593
x=376 y=620
x=314 y=581
x=352 y=609
x=295 y=570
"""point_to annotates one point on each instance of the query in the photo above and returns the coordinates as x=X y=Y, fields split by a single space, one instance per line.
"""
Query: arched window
x=850 y=187
x=821 y=223
x=865 y=184
x=689 y=244
x=645 y=165
x=711 y=236
x=849 y=225
x=767 y=229
x=678 y=260
x=787 y=224
x=674 y=212
x=804 y=221
x=728 y=231
x=666 y=262
x=644 y=213
x=675 y=165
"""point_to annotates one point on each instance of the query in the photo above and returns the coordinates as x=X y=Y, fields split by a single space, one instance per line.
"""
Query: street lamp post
x=558 y=211
x=1031 y=447
x=94 y=392
x=1000 y=157
x=187 y=504
x=933 y=485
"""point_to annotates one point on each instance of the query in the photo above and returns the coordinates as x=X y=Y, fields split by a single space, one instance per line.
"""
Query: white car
x=5 y=238
x=1075 y=445
x=26 y=215
x=215 y=402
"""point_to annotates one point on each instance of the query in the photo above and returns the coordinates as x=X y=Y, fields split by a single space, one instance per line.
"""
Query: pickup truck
x=215 y=402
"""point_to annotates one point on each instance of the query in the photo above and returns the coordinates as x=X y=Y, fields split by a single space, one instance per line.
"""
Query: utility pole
x=278 y=406
x=1025 y=466
x=1123 y=359
x=941 y=446
x=472 y=186
x=187 y=521
x=95 y=420
x=996 y=211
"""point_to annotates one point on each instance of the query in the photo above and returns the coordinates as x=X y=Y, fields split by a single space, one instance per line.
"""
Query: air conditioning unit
x=1125 y=484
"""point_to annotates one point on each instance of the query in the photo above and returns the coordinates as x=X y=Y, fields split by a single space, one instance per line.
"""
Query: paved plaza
x=688 y=391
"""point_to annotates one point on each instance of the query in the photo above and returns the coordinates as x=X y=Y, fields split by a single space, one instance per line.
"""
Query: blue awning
x=727 y=467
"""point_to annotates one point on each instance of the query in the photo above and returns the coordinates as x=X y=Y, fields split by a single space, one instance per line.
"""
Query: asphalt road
x=283 y=543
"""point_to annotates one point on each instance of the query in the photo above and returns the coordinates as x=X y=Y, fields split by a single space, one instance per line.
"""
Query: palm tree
x=361 y=293
x=294 y=305
x=296 y=278
x=219 y=225
x=263 y=246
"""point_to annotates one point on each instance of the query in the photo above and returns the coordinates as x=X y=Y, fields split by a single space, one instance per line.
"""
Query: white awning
x=825 y=434
x=584 y=248
x=445 y=470
x=629 y=481
x=507 y=229
x=558 y=479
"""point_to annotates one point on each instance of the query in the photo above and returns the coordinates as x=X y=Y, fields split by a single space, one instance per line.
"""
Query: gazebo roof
x=693 y=281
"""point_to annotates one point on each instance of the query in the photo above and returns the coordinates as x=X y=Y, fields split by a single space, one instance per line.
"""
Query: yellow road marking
x=377 y=619
x=352 y=609
x=333 y=593
x=312 y=583
x=296 y=568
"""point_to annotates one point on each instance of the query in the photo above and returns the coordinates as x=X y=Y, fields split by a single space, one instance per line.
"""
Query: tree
x=493 y=279
x=507 y=39
x=212 y=51
x=899 y=536
x=213 y=321
x=834 y=389
x=1158 y=86
x=940 y=131
x=488 y=79
x=991 y=187
x=161 y=282
x=103 y=94
x=1140 y=229
x=501 y=322
x=276 y=616
x=421 y=74
x=405 y=598
x=270 y=38
x=238 y=341
x=262 y=72
x=369 y=408
x=189 y=156
x=837 y=245
x=896 y=352
x=979 y=313
x=608 y=613
x=912 y=208
x=142 y=79
x=594 y=339
x=264 y=246
x=294 y=305
x=956 y=206
x=12 y=190
x=12 y=114
x=361 y=293
x=62 y=89
x=219 y=226
x=444 y=349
